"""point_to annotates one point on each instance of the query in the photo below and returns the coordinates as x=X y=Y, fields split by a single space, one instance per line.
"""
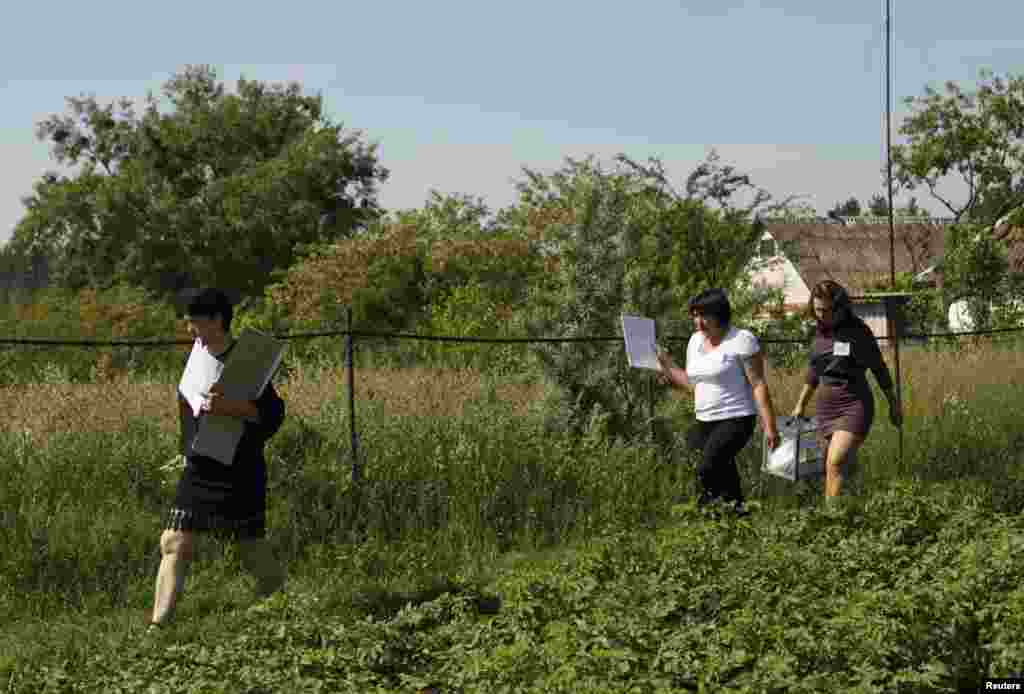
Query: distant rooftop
x=871 y=220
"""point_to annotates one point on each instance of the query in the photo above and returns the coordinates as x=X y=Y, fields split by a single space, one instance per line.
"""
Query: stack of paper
x=249 y=368
x=201 y=372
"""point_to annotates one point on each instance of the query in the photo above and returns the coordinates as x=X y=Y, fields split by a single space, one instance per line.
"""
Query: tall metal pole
x=896 y=323
x=888 y=140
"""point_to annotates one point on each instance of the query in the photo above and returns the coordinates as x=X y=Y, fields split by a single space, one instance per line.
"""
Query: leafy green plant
x=481 y=553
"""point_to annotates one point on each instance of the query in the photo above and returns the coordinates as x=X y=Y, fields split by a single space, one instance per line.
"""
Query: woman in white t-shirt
x=725 y=370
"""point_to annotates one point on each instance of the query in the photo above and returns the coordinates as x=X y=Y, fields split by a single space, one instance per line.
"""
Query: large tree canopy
x=206 y=187
x=624 y=240
x=976 y=137
x=849 y=208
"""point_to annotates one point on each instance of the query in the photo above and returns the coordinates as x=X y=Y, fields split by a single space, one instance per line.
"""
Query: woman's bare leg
x=842 y=453
x=177 y=549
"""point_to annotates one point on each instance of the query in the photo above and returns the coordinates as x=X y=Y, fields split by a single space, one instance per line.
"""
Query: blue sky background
x=462 y=94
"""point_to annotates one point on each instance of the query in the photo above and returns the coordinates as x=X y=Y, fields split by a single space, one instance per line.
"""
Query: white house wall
x=960 y=319
x=874 y=315
x=780 y=273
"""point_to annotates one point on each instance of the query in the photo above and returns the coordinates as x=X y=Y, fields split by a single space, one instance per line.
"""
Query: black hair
x=712 y=303
x=209 y=302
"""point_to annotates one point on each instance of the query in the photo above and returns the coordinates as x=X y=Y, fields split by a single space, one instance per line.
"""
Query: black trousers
x=719 y=443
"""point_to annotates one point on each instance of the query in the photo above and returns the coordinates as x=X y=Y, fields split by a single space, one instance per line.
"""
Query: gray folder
x=247 y=371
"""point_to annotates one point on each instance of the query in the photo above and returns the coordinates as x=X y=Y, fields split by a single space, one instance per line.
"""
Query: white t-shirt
x=721 y=388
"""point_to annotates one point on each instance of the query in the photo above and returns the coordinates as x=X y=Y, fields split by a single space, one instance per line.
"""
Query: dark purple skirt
x=844 y=408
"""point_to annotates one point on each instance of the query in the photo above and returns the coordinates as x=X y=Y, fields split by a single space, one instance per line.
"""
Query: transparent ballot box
x=798 y=442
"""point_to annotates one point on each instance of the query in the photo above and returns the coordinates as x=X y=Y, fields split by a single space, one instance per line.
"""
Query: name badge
x=841 y=349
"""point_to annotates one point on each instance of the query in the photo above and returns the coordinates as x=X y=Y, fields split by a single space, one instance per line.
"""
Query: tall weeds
x=453 y=459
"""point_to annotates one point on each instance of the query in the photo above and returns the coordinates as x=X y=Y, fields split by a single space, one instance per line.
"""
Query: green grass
x=607 y=579
x=913 y=590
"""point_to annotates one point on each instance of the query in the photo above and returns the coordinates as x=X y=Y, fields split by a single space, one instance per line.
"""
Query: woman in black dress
x=844 y=348
x=212 y=497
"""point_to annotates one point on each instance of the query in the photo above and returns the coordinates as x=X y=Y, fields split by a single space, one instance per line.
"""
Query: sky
x=461 y=95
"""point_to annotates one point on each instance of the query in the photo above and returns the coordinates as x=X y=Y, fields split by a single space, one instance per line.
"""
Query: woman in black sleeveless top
x=211 y=497
x=843 y=350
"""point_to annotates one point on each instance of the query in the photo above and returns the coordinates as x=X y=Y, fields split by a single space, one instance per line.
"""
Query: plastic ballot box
x=798 y=443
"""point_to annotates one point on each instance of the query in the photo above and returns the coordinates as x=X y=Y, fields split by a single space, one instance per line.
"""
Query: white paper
x=781 y=462
x=639 y=335
x=201 y=371
x=220 y=435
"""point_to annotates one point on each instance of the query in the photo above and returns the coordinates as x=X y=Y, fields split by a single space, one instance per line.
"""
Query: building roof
x=1013 y=237
x=857 y=255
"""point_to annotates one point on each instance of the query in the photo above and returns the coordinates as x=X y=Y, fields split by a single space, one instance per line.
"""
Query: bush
x=471 y=310
x=118 y=313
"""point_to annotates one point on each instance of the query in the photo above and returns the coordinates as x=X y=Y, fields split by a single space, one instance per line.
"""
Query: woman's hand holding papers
x=216 y=404
x=665 y=363
x=670 y=373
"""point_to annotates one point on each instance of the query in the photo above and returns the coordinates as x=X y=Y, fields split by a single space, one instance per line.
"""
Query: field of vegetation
x=485 y=554
x=525 y=522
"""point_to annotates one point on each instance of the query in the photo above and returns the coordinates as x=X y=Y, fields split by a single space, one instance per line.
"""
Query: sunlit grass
x=460 y=478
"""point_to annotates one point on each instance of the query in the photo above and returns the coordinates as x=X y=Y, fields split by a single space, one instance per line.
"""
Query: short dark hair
x=207 y=303
x=830 y=291
x=712 y=303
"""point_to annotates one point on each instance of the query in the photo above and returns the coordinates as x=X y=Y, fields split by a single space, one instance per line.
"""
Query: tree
x=791 y=210
x=878 y=205
x=977 y=136
x=380 y=276
x=975 y=269
x=850 y=208
x=221 y=188
x=912 y=210
x=449 y=216
x=623 y=240
x=401 y=271
x=21 y=275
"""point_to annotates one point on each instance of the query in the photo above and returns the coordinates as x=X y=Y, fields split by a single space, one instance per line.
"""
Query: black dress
x=228 y=499
x=845 y=402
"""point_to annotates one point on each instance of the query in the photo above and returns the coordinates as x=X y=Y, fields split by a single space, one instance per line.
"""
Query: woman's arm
x=186 y=424
x=876 y=362
x=675 y=376
x=873 y=358
x=217 y=404
x=754 y=368
x=271 y=408
x=895 y=408
x=267 y=411
x=810 y=385
x=805 y=395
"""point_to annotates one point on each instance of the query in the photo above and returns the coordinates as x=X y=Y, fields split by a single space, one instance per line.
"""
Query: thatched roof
x=856 y=255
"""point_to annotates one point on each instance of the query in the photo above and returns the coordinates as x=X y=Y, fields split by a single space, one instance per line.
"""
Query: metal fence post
x=650 y=407
x=896 y=322
x=350 y=345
